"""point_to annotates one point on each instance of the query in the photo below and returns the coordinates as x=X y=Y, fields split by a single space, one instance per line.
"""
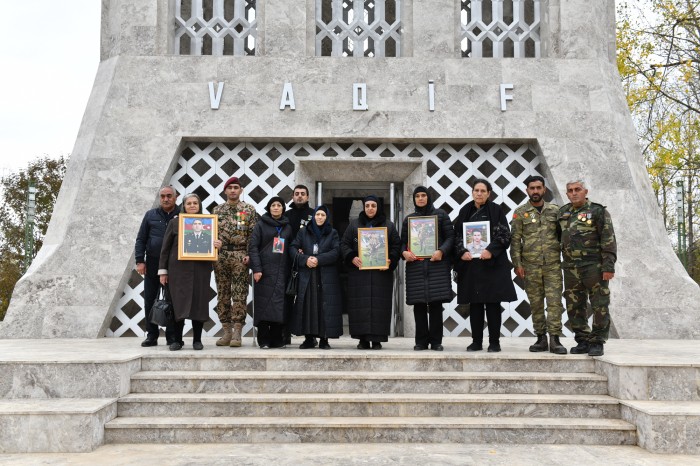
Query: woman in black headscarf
x=318 y=308
x=428 y=280
x=268 y=250
x=370 y=303
x=484 y=282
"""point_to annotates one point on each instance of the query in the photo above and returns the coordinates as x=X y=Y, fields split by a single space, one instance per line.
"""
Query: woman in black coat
x=484 y=282
x=268 y=250
x=188 y=280
x=370 y=303
x=428 y=280
x=318 y=308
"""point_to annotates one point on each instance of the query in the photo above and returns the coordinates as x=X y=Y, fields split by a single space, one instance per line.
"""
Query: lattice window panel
x=500 y=28
x=268 y=169
x=358 y=28
x=215 y=27
x=265 y=170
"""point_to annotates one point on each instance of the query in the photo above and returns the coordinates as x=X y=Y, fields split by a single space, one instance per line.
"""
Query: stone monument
x=347 y=97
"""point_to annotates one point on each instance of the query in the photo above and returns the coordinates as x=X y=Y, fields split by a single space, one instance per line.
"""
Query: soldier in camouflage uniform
x=589 y=251
x=535 y=252
x=236 y=222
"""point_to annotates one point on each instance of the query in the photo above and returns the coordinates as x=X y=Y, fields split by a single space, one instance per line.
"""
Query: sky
x=49 y=54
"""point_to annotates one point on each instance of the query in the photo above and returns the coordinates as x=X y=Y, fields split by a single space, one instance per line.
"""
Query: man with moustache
x=535 y=252
x=147 y=254
x=589 y=252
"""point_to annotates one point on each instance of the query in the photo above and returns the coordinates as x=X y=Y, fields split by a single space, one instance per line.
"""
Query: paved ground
x=331 y=454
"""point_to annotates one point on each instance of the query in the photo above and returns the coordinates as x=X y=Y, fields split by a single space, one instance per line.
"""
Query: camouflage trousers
x=582 y=284
x=544 y=282
x=232 y=281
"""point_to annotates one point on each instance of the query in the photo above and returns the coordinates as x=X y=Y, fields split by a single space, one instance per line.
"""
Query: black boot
x=595 y=349
x=540 y=345
x=555 y=346
x=323 y=344
x=581 y=348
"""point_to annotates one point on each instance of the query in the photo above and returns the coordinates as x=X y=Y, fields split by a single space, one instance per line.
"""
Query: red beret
x=232 y=180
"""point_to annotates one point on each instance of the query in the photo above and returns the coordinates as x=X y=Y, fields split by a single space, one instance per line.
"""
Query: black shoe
x=363 y=344
x=197 y=345
x=376 y=345
x=324 y=344
x=175 y=346
x=420 y=348
x=494 y=348
x=581 y=348
x=148 y=342
x=540 y=345
x=308 y=343
x=595 y=349
x=555 y=346
x=475 y=347
x=436 y=347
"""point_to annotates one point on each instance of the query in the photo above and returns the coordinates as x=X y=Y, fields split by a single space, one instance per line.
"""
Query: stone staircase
x=368 y=397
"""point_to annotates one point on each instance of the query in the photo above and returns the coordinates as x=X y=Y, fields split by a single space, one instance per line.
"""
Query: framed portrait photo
x=476 y=236
x=197 y=233
x=422 y=235
x=371 y=248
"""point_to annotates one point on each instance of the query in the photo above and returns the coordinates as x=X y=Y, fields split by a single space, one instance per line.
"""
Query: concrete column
x=434 y=29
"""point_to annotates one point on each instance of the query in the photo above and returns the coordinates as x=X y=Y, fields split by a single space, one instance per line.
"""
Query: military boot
x=225 y=339
x=540 y=345
x=555 y=346
x=581 y=348
x=236 y=337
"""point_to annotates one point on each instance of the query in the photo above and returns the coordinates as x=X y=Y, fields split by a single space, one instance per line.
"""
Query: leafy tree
x=47 y=174
x=659 y=61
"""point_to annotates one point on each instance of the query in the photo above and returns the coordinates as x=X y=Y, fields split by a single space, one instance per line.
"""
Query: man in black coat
x=147 y=254
x=299 y=212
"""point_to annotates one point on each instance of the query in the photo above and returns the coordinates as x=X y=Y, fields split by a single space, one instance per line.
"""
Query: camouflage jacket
x=236 y=223
x=535 y=235
x=587 y=236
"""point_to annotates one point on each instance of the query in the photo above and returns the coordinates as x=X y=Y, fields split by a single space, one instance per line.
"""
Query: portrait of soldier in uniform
x=197 y=241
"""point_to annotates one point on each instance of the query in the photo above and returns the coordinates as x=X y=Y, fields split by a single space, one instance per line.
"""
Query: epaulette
x=598 y=205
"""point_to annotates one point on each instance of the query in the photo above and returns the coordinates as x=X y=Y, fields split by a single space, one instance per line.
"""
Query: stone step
x=54 y=425
x=522 y=430
x=358 y=404
x=366 y=382
x=349 y=360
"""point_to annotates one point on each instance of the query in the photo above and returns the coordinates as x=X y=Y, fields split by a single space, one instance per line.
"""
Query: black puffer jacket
x=269 y=297
x=426 y=281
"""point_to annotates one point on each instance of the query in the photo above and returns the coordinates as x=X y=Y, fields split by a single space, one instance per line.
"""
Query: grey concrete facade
x=146 y=102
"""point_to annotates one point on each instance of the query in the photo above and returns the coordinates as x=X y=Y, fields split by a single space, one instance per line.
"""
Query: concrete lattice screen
x=369 y=28
x=500 y=28
x=215 y=27
x=267 y=169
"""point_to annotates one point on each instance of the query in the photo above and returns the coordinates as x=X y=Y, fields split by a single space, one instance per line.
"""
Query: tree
x=659 y=61
x=47 y=174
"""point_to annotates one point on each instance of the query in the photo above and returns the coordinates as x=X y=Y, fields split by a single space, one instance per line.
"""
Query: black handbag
x=293 y=283
x=162 y=313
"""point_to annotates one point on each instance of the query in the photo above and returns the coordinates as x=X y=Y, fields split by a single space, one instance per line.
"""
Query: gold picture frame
x=372 y=248
x=196 y=236
x=422 y=236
